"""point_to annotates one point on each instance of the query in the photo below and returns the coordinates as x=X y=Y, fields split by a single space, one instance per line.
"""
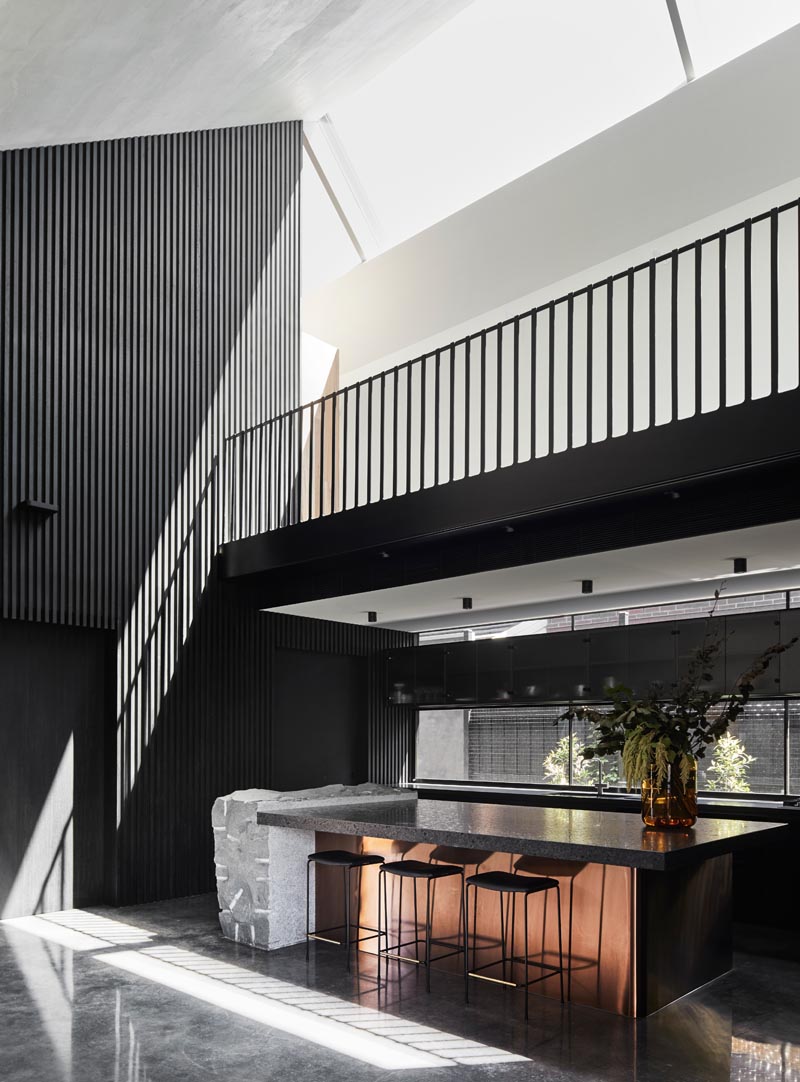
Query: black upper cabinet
x=400 y=675
x=550 y=668
x=690 y=636
x=652 y=655
x=789 y=663
x=570 y=666
x=460 y=673
x=607 y=650
x=429 y=666
x=749 y=635
x=494 y=671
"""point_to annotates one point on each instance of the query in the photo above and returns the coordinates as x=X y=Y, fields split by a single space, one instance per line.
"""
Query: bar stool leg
x=381 y=875
x=502 y=936
x=526 y=950
x=560 y=949
x=416 y=919
x=347 y=915
x=308 y=893
x=513 y=927
x=427 y=933
x=466 y=942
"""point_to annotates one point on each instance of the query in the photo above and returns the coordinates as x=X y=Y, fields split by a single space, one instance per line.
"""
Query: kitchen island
x=647 y=913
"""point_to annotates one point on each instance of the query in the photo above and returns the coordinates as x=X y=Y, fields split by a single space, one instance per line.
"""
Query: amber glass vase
x=672 y=804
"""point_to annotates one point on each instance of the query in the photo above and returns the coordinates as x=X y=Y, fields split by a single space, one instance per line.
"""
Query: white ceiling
x=73 y=70
x=637 y=575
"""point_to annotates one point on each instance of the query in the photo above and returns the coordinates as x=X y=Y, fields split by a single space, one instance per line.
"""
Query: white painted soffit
x=105 y=69
x=687 y=569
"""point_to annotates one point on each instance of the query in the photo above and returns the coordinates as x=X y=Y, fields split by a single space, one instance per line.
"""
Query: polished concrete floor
x=154 y=993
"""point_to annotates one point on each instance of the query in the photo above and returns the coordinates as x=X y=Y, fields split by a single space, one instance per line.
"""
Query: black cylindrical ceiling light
x=587 y=586
x=372 y=617
x=740 y=565
x=466 y=602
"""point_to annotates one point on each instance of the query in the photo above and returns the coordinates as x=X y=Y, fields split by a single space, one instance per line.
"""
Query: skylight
x=496 y=91
x=499 y=89
x=720 y=30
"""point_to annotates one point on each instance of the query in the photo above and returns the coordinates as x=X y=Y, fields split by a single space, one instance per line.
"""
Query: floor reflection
x=754 y=1061
x=153 y=994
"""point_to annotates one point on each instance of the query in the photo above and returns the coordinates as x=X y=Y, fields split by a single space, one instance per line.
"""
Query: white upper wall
x=719 y=142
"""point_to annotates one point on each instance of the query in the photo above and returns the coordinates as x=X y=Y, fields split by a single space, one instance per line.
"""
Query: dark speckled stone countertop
x=601 y=837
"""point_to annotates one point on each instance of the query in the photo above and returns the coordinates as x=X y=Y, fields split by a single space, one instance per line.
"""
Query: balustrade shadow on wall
x=694 y=331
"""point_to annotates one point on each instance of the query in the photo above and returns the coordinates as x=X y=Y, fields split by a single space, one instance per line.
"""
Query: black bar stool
x=416 y=870
x=505 y=883
x=340 y=858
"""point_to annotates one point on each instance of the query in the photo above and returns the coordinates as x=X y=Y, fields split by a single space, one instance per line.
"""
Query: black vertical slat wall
x=150 y=292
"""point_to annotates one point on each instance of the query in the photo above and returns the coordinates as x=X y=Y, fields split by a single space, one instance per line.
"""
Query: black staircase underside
x=718 y=471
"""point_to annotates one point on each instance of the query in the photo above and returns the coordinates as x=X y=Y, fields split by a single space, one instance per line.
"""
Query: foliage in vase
x=730 y=763
x=655 y=735
x=584 y=772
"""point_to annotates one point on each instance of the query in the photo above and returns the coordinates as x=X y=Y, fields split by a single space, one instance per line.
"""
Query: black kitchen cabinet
x=460 y=673
x=494 y=658
x=652 y=657
x=400 y=675
x=789 y=663
x=429 y=675
x=690 y=635
x=550 y=668
x=748 y=635
x=607 y=660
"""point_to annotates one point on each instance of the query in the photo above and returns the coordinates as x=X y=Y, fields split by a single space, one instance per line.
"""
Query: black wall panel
x=150 y=308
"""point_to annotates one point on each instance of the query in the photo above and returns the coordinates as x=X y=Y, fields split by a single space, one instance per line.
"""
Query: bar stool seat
x=420 y=869
x=340 y=858
x=508 y=882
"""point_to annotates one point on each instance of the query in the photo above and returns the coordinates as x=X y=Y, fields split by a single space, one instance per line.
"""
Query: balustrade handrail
x=252 y=505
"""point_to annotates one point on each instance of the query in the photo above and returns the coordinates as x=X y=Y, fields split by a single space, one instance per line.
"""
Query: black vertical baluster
x=282 y=466
x=570 y=373
x=382 y=435
x=394 y=434
x=534 y=400
x=610 y=359
x=298 y=498
x=423 y=393
x=515 y=400
x=698 y=327
x=467 y=377
x=483 y=402
x=723 y=319
x=499 y=432
x=322 y=404
x=334 y=447
x=357 y=449
x=589 y=361
x=773 y=299
x=310 y=461
x=631 y=293
x=240 y=484
x=674 y=337
x=748 y=310
x=345 y=434
x=369 y=440
x=258 y=434
x=452 y=410
x=651 y=344
x=551 y=379
x=409 y=396
x=436 y=407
